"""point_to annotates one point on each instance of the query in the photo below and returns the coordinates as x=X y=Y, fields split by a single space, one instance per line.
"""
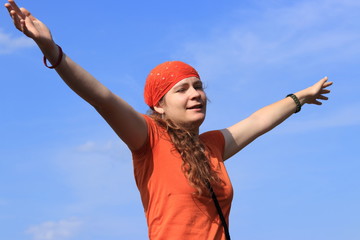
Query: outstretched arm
x=126 y=122
x=265 y=119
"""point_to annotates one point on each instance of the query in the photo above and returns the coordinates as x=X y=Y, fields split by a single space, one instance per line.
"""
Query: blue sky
x=64 y=175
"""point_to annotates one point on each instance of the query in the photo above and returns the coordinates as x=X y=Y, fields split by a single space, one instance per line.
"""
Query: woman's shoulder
x=215 y=143
x=213 y=139
x=213 y=135
x=154 y=133
x=152 y=124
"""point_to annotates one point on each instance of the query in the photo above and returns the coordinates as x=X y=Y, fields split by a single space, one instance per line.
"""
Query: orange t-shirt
x=172 y=209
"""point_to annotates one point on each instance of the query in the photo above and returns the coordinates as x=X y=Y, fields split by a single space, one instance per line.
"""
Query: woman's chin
x=195 y=122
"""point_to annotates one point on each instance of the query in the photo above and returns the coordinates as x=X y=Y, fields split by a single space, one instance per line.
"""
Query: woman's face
x=185 y=103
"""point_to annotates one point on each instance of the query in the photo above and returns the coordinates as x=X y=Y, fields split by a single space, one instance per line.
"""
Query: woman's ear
x=159 y=109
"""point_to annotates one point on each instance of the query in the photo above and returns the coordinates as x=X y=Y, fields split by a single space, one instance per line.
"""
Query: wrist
x=44 y=42
x=48 y=48
x=52 y=53
x=302 y=96
x=56 y=62
x=296 y=101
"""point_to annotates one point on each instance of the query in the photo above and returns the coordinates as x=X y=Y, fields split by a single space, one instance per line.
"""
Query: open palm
x=28 y=24
x=317 y=91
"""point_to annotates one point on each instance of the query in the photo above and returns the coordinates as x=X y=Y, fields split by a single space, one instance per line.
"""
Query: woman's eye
x=199 y=87
x=181 y=90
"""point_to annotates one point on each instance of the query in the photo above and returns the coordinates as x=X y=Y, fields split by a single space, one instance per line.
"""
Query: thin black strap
x=222 y=218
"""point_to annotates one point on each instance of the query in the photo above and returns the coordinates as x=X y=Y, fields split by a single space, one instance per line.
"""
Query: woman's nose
x=194 y=93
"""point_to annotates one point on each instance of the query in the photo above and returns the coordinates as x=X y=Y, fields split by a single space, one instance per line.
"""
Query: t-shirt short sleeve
x=215 y=142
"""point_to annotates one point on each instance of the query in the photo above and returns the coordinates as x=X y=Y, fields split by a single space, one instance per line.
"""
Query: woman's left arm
x=265 y=119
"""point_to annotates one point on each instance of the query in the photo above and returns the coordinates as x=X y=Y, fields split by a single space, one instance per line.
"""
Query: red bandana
x=163 y=77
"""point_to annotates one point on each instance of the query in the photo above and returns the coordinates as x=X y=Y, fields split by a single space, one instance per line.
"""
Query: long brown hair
x=196 y=165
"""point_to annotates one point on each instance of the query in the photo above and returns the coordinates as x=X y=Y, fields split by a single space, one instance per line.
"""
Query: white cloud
x=346 y=116
x=9 y=44
x=88 y=146
x=91 y=146
x=63 y=229
x=98 y=173
x=308 y=30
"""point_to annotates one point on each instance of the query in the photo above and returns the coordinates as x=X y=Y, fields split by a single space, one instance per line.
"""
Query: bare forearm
x=77 y=78
x=265 y=119
x=272 y=115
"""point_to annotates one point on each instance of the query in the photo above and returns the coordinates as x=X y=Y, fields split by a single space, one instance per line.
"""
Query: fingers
x=323 y=84
x=318 y=91
x=325 y=91
x=28 y=14
x=327 y=84
x=28 y=21
x=15 y=7
x=18 y=22
x=19 y=15
x=323 y=80
x=8 y=7
x=322 y=97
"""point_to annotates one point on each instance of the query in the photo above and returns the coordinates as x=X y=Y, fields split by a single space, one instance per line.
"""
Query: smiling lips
x=197 y=106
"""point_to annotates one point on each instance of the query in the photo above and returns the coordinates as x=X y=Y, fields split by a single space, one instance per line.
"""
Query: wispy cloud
x=344 y=117
x=322 y=29
x=55 y=230
x=92 y=146
x=9 y=44
x=95 y=171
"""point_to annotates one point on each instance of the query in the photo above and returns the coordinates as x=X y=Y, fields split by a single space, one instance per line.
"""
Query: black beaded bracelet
x=297 y=102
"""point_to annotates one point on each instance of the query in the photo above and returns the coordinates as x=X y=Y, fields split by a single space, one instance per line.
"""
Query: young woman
x=184 y=186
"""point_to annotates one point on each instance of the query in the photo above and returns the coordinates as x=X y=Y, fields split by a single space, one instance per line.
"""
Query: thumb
x=323 y=80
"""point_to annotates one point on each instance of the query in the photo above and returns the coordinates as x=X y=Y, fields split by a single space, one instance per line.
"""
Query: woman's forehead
x=189 y=80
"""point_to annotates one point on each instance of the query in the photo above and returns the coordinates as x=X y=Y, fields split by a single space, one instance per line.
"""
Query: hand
x=316 y=92
x=28 y=24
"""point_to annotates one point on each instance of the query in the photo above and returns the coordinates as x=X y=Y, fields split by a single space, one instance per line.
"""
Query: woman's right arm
x=128 y=124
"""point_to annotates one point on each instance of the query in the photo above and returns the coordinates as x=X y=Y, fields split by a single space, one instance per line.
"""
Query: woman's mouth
x=195 y=107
